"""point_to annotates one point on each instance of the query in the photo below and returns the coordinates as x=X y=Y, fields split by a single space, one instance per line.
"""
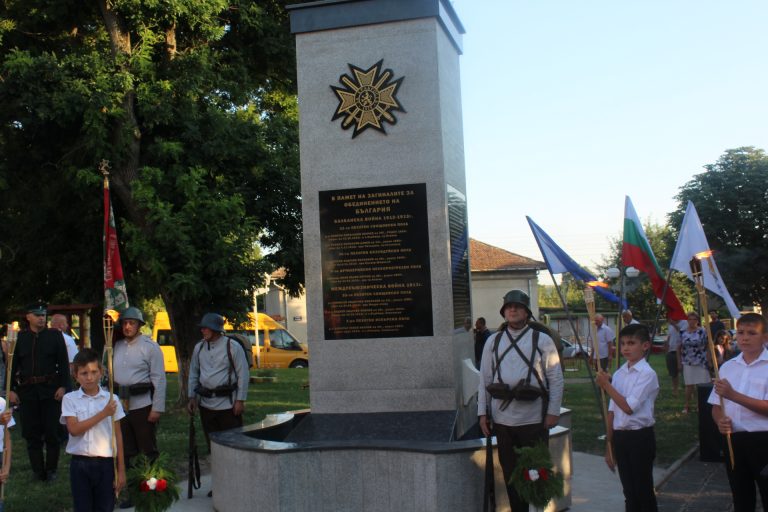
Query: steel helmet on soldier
x=516 y=297
x=132 y=314
x=212 y=321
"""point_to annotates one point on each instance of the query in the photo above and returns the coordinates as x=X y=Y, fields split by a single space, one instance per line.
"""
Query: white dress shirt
x=639 y=385
x=748 y=379
x=97 y=440
x=2 y=428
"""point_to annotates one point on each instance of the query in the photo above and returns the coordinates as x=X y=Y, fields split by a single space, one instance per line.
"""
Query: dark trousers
x=91 y=480
x=509 y=438
x=604 y=363
x=40 y=425
x=750 y=451
x=139 y=435
x=634 y=451
x=216 y=421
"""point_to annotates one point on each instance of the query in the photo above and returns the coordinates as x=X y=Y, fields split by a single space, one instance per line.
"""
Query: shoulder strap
x=231 y=361
x=513 y=344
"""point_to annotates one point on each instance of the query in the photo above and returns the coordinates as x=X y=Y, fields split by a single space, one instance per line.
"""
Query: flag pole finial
x=104 y=167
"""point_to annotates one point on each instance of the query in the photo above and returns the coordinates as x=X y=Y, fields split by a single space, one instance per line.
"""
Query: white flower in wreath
x=152 y=483
x=533 y=475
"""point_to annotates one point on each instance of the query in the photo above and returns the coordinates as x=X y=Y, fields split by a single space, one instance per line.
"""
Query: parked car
x=572 y=349
x=277 y=348
x=657 y=347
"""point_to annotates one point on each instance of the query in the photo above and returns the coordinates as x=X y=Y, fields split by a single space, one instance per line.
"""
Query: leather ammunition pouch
x=500 y=391
x=141 y=388
x=525 y=392
x=216 y=392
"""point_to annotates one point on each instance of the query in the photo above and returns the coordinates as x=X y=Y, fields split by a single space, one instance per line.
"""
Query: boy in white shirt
x=88 y=414
x=630 y=418
x=743 y=384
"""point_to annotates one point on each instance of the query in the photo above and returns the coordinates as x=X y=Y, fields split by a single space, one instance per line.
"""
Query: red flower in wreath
x=143 y=486
x=543 y=474
x=161 y=485
x=526 y=476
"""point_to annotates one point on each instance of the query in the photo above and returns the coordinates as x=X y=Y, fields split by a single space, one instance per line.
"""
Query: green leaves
x=731 y=197
x=197 y=116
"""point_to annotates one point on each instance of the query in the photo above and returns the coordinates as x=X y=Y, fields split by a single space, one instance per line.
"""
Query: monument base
x=376 y=462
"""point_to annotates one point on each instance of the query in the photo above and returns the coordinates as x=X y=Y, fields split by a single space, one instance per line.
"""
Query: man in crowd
x=671 y=346
x=481 y=334
x=521 y=387
x=140 y=381
x=41 y=371
x=715 y=324
x=604 y=347
x=218 y=379
x=628 y=318
x=59 y=321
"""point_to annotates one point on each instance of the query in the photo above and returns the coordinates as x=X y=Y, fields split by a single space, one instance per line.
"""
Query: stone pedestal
x=383 y=192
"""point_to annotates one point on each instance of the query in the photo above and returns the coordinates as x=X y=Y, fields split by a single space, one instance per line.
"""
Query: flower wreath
x=151 y=485
x=534 y=478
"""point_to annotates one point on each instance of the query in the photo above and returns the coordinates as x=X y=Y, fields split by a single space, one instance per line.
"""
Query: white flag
x=692 y=241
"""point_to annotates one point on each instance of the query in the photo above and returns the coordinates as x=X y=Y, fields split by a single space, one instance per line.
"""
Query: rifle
x=489 y=497
x=194 y=461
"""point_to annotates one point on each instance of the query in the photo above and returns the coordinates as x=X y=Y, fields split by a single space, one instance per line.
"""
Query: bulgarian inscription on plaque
x=375 y=260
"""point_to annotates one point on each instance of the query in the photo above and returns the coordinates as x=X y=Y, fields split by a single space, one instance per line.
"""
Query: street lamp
x=623 y=273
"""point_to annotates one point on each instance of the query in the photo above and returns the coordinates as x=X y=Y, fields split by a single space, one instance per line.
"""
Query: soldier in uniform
x=41 y=375
x=140 y=380
x=521 y=386
x=218 y=378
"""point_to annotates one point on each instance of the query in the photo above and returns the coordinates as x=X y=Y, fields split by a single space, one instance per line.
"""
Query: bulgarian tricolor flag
x=636 y=252
x=115 y=293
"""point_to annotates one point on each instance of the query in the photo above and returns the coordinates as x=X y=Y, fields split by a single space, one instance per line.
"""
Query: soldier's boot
x=52 y=460
x=36 y=461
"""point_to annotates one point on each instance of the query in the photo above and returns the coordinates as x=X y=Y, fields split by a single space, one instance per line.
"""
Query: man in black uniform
x=41 y=375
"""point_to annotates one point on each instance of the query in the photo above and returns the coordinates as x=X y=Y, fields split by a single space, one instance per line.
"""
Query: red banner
x=115 y=293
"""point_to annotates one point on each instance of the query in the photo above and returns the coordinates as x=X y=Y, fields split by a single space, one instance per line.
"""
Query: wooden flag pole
x=589 y=300
x=109 y=329
x=698 y=278
x=11 y=337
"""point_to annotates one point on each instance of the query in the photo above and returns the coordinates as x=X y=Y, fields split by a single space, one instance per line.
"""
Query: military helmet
x=212 y=321
x=516 y=297
x=132 y=314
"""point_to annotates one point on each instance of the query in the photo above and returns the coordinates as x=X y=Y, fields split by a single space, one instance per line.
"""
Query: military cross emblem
x=367 y=99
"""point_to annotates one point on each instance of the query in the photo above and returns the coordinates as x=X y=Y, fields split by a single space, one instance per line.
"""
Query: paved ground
x=689 y=485
x=697 y=487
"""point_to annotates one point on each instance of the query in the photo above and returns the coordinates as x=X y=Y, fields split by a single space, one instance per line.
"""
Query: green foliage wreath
x=534 y=477
x=151 y=485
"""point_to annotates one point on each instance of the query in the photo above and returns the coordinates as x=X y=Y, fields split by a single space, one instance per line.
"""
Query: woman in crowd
x=692 y=357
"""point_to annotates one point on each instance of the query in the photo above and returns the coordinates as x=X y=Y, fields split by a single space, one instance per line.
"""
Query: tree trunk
x=184 y=318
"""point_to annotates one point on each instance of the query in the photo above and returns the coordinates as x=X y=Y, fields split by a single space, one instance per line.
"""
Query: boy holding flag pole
x=740 y=410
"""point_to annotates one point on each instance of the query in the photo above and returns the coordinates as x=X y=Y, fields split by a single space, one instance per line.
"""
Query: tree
x=731 y=197
x=193 y=104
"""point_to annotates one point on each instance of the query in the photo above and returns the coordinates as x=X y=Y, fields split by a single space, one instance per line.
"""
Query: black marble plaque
x=375 y=260
x=457 y=224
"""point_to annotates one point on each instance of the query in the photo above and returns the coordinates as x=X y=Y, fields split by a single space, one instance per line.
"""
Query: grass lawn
x=676 y=432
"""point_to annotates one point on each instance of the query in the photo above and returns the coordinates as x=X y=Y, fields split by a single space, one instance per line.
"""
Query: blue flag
x=558 y=262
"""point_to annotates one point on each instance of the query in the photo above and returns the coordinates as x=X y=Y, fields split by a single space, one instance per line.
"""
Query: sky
x=570 y=106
